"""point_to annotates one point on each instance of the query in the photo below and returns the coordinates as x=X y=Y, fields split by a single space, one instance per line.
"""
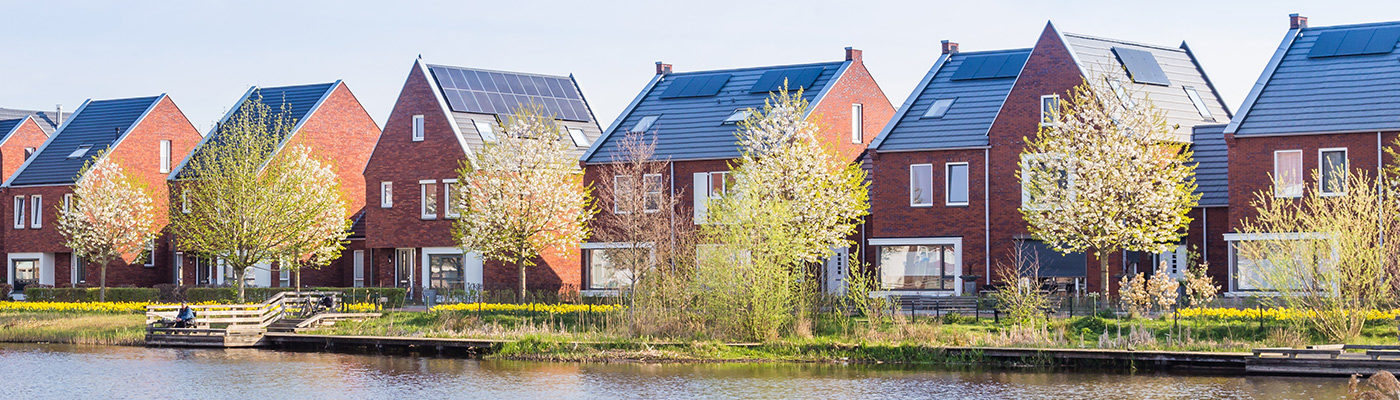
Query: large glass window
x=957 y=184
x=445 y=271
x=1332 y=164
x=1265 y=265
x=26 y=273
x=602 y=273
x=1288 y=173
x=921 y=185
x=918 y=267
x=1034 y=164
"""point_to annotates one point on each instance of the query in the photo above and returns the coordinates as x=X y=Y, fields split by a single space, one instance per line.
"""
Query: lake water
x=62 y=371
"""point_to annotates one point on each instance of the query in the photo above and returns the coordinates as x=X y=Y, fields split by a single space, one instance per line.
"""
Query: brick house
x=145 y=135
x=444 y=115
x=1324 y=103
x=329 y=120
x=21 y=133
x=692 y=117
x=965 y=125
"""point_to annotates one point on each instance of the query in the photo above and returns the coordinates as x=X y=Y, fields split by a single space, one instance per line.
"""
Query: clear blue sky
x=206 y=54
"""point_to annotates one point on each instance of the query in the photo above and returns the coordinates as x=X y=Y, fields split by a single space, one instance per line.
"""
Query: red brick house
x=145 y=135
x=21 y=133
x=329 y=120
x=444 y=115
x=945 y=198
x=1326 y=102
x=692 y=117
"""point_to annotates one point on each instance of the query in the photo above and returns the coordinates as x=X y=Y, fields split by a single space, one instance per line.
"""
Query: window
x=67 y=203
x=448 y=210
x=1049 y=109
x=26 y=272
x=184 y=203
x=36 y=213
x=418 y=128
x=79 y=269
x=1291 y=255
x=1288 y=173
x=165 y=156
x=284 y=277
x=1200 y=104
x=644 y=124
x=148 y=256
x=857 y=123
x=622 y=192
x=427 y=201
x=576 y=134
x=737 y=116
x=939 y=108
x=918 y=267
x=80 y=151
x=921 y=185
x=19 y=212
x=956 y=183
x=720 y=184
x=28 y=151
x=1122 y=94
x=386 y=194
x=651 y=184
x=602 y=272
x=486 y=129
x=1332 y=167
x=1032 y=164
x=445 y=272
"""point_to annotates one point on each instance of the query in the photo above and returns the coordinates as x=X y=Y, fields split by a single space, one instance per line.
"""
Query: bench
x=940 y=305
x=1293 y=353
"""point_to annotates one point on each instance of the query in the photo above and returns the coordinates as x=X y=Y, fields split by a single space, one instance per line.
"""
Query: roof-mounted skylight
x=486 y=129
x=738 y=115
x=80 y=151
x=1200 y=104
x=1122 y=94
x=939 y=108
x=644 y=124
x=578 y=137
x=1352 y=42
x=1142 y=66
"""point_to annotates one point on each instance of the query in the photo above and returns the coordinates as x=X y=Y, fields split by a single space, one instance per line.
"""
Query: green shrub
x=1094 y=324
x=5 y=289
x=76 y=295
x=211 y=294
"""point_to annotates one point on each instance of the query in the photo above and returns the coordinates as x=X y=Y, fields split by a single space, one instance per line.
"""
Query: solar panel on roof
x=1142 y=66
x=794 y=78
x=484 y=92
x=695 y=86
x=1352 y=42
x=989 y=66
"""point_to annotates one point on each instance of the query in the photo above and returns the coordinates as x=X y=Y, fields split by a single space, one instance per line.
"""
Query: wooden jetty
x=243 y=325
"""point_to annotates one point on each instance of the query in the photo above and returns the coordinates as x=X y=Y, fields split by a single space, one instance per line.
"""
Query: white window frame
x=36 y=211
x=418 y=128
x=911 y=186
x=857 y=123
x=1278 y=192
x=577 y=135
x=386 y=194
x=948 y=184
x=67 y=202
x=165 y=156
x=1026 y=201
x=723 y=184
x=1199 y=102
x=80 y=151
x=1056 y=117
x=647 y=194
x=617 y=183
x=738 y=116
x=955 y=242
x=447 y=210
x=423 y=197
x=1321 y=172
x=1121 y=92
x=1232 y=288
x=184 y=202
x=485 y=129
x=20 y=204
x=151 y=249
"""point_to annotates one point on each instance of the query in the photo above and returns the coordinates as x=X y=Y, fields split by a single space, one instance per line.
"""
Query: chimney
x=662 y=68
x=853 y=54
x=1296 y=21
x=950 y=47
x=58 y=114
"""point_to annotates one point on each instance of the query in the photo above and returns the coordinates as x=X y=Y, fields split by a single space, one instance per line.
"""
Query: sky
x=205 y=54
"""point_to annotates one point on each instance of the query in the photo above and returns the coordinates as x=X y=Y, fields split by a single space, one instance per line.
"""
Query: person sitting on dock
x=185 y=318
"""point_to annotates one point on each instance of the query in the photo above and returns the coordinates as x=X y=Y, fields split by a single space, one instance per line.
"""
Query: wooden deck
x=242 y=325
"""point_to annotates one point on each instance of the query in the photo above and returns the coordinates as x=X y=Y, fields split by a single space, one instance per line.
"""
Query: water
x=61 y=371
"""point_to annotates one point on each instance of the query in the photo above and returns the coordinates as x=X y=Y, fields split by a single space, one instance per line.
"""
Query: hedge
x=114 y=294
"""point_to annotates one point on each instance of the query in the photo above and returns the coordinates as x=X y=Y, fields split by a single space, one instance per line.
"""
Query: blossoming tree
x=524 y=196
x=1106 y=174
x=110 y=217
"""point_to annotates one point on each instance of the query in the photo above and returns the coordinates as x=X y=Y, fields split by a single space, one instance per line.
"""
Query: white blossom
x=110 y=217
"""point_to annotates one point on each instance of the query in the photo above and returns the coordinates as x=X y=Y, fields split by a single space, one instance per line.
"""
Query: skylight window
x=738 y=115
x=1199 y=103
x=80 y=151
x=487 y=131
x=1122 y=93
x=644 y=124
x=577 y=135
x=939 y=108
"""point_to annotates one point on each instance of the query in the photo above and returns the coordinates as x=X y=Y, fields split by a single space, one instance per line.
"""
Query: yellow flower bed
x=1269 y=313
x=54 y=306
x=537 y=308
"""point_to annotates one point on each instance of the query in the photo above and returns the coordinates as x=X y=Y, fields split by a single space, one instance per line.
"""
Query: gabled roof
x=472 y=95
x=1212 y=165
x=299 y=102
x=1301 y=92
x=97 y=125
x=8 y=126
x=689 y=123
x=975 y=105
x=1098 y=56
x=48 y=120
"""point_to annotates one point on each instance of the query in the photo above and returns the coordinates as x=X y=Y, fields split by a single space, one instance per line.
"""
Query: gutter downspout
x=1205 y=236
x=986 y=216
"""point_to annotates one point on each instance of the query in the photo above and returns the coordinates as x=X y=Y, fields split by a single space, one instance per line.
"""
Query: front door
x=359 y=268
x=403 y=268
x=836 y=269
x=1173 y=262
x=26 y=272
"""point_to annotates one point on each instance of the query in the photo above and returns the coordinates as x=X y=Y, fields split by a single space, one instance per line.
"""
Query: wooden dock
x=242 y=325
x=438 y=346
x=1185 y=361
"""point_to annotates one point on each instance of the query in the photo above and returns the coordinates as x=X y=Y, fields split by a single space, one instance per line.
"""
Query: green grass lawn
x=74 y=328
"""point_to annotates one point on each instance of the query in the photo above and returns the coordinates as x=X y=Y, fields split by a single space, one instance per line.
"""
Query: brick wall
x=1252 y=163
x=893 y=217
x=833 y=113
x=27 y=135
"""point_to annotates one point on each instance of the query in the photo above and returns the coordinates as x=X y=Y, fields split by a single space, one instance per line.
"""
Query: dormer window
x=738 y=115
x=645 y=123
x=80 y=151
x=939 y=108
x=487 y=131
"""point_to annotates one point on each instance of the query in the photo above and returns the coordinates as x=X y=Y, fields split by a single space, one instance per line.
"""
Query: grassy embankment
x=72 y=327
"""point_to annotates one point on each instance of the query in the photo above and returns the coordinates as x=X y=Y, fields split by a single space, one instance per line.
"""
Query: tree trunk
x=1103 y=272
x=520 y=266
x=238 y=274
x=102 y=284
x=298 y=278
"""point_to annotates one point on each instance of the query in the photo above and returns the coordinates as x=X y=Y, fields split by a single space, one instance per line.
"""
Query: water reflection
x=48 y=371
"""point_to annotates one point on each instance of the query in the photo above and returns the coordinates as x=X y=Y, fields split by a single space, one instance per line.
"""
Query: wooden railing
x=242 y=317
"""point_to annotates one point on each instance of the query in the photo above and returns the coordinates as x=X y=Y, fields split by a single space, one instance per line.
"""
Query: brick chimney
x=1296 y=21
x=662 y=68
x=853 y=54
x=950 y=47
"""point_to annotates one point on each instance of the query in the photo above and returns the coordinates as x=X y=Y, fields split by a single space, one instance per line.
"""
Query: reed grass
x=72 y=328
